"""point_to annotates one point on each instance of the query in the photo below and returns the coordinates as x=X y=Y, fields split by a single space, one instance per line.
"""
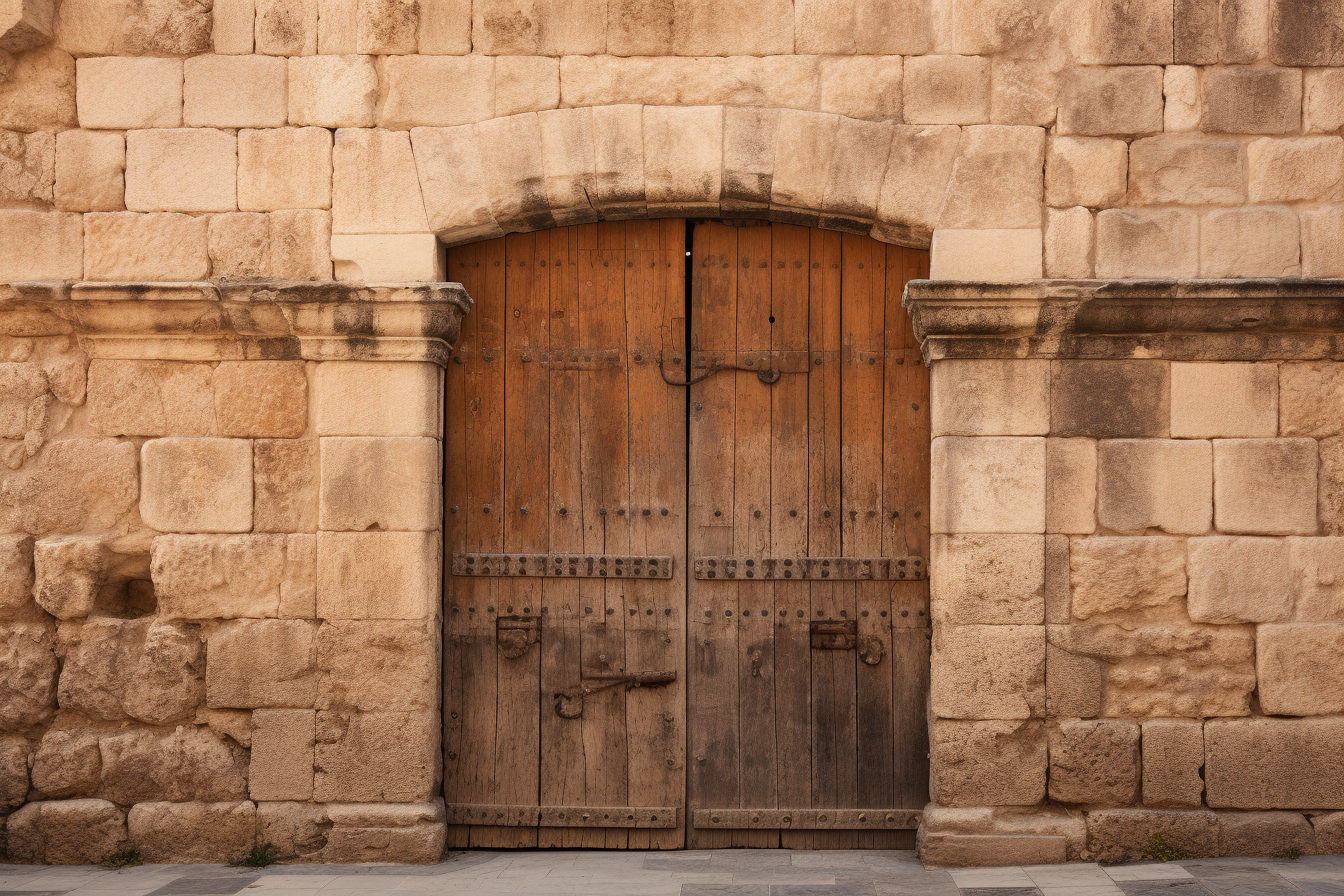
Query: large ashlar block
x=234 y=576
x=300 y=243
x=1110 y=399
x=1173 y=754
x=438 y=91
x=862 y=86
x=1147 y=243
x=997 y=179
x=16 y=573
x=1265 y=486
x=235 y=92
x=683 y=158
x=1100 y=101
x=375 y=187
x=947 y=90
x=119 y=92
x=1303 y=34
x=988 y=484
x=180 y=764
x=988 y=579
x=1213 y=401
x=388 y=257
x=525 y=84
x=1180 y=87
x=1127 y=34
x=376 y=757
x=233 y=23
x=73 y=485
x=1264 y=834
x=40 y=246
x=990 y=398
x=1095 y=762
x=129 y=247
x=1323 y=103
x=913 y=188
x=377 y=398
x=66 y=832
x=1330 y=504
x=1316 y=568
x=1023 y=91
x=27 y=698
x=1124 y=579
x=1252 y=100
x=450 y=164
x=286 y=27
x=1249 y=242
x=988 y=672
x=1297 y=666
x=380 y=483
x=138 y=669
x=1273 y=763
x=90 y=171
x=282 y=754
x=150 y=398
x=181 y=170
x=284 y=485
x=1311 y=398
x=386 y=27
x=30 y=169
x=1322 y=242
x=379 y=666
x=197 y=485
x=13 y=772
x=262 y=663
x=568 y=164
x=261 y=399
x=239 y=246
x=1072 y=684
x=1296 y=169
x=1126 y=835
x=1162 y=484
x=193 y=832
x=1086 y=171
x=618 y=160
x=1239 y=579
x=1187 y=168
x=986 y=255
x=1070 y=486
x=512 y=171
x=805 y=148
x=445 y=28
x=332 y=91
x=997 y=763
x=398 y=833
x=24 y=399
x=39 y=94
x=68 y=572
x=1069 y=238
x=378 y=575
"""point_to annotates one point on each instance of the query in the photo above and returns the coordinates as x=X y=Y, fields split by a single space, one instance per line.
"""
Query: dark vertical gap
x=687 y=305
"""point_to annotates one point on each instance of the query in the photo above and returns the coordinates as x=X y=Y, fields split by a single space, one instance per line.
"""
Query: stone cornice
x=1182 y=320
x=265 y=320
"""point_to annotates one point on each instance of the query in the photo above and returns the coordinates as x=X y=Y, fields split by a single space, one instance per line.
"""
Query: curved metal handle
x=569 y=702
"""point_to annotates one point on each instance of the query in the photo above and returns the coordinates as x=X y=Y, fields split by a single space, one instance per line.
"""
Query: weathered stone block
x=263 y=663
x=363 y=398
x=40 y=246
x=16 y=573
x=1264 y=834
x=27 y=675
x=1072 y=684
x=1147 y=243
x=1328 y=829
x=1069 y=237
x=683 y=155
x=1238 y=579
x=1190 y=168
x=181 y=170
x=282 y=754
x=233 y=23
x=1273 y=763
x=1095 y=762
x=989 y=398
x=13 y=772
x=1128 y=33
x=239 y=246
x=1305 y=33
x=1249 y=242
x=378 y=666
x=988 y=579
x=1322 y=242
x=27 y=169
x=987 y=763
x=297 y=830
x=1173 y=754
x=1070 y=486
x=235 y=92
x=452 y=177
x=376 y=483
x=138 y=669
x=986 y=255
x=855 y=86
x=378 y=575
x=1316 y=578
x=90 y=171
x=445 y=27
x=988 y=484
x=1085 y=171
x=146 y=28
x=375 y=188
x=386 y=27
x=1311 y=394
x=24 y=397
x=187 y=763
x=1224 y=400
x=1109 y=399
x=193 y=832
x=1265 y=486
x=150 y=398
x=235 y=576
x=1125 y=835
x=1180 y=87
x=118 y=93
x=197 y=485
x=997 y=180
x=409 y=833
x=284 y=168
x=913 y=188
x=300 y=241
x=388 y=757
x=67 y=763
x=286 y=27
x=1151 y=483
x=946 y=90
x=126 y=247
x=388 y=258
x=1057 y=596
x=1251 y=100
x=1297 y=669
x=66 y=832
x=438 y=91
x=332 y=91
x=988 y=671
x=1323 y=103
x=285 y=484
x=39 y=93
x=72 y=485
x=1127 y=579
x=1295 y=169
x=1105 y=101
x=261 y=398
x=69 y=572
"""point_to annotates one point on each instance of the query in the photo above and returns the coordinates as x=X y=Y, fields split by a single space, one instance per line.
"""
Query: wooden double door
x=686 y=518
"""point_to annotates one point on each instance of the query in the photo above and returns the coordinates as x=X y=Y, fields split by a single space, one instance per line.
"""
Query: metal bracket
x=514 y=634
x=808 y=819
x=514 y=816
x=578 y=566
x=811 y=568
x=768 y=366
x=569 y=702
x=843 y=634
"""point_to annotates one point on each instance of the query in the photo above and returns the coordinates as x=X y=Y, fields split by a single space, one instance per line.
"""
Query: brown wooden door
x=567 y=435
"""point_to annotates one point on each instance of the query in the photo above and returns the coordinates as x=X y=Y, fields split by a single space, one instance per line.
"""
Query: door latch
x=514 y=634
x=569 y=702
x=843 y=634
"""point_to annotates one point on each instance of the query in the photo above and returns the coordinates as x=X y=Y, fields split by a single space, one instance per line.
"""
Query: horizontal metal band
x=562 y=816
x=576 y=566
x=831 y=569
x=808 y=819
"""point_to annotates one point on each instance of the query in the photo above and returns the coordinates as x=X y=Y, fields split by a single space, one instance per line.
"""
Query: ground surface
x=699 y=873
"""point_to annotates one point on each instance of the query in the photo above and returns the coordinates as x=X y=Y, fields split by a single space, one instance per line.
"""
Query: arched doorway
x=686 y=613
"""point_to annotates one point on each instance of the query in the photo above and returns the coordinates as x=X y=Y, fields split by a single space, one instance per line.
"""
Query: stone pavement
x=696 y=873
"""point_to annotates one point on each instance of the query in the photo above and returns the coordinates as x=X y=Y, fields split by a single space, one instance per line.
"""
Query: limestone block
x=1224 y=400
x=388 y=757
x=1003 y=27
x=1088 y=171
x=197 y=485
x=1316 y=570
x=67 y=763
x=1150 y=483
x=150 y=398
x=1293 y=169
x=757 y=29
x=27 y=169
x=233 y=23
x=1328 y=829
x=1109 y=399
x=1322 y=242
x=525 y=84
x=388 y=666
x=862 y=86
x=40 y=246
x=300 y=241
x=380 y=483
x=1264 y=834
x=1330 y=505
x=1070 y=486
x=193 y=832
x=989 y=398
x=988 y=579
x=39 y=93
x=138 y=669
x=683 y=158
x=567 y=158
x=851 y=195
x=16 y=573
x=996 y=180
x=387 y=258
x=1180 y=87
x=1129 y=33
x=973 y=850
x=378 y=575
x=181 y=170
x=1311 y=394
x=66 y=832
x=239 y=246
x=785 y=82
x=748 y=158
x=1057 y=596
x=1101 y=101
x=1147 y=243
x=988 y=484
x=1072 y=684
x=999 y=763
x=13 y=772
x=1069 y=235
x=407 y=833
x=282 y=754
x=947 y=90
x=261 y=663
x=255 y=399
x=1251 y=100
x=1127 y=579
x=233 y=576
x=445 y=27
x=1095 y=762
x=377 y=398
x=1323 y=103
x=119 y=92
x=337 y=26
x=1190 y=168
x=375 y=187
x=296 y=830
x=988 y=672
x=386 y=27
x=618 y=160
x=90 y=171
x=71 y=485
x=437 y=91
x=69 y=573
x=24 y=398
x=1302 y=35
x=332 y=91
x=452 y=179
x=1173 y=754
x=127 y=247
x=1298 y=670
x=1273 y=763
x=1265 y=486
x=27 y=23
x=986 y=255
x=1249 y=242
x=1239 y=579
x=1023 y=91
x=285 y=486
x=512 y=172
x=804 y=149
x=235 y=92
x=286 y=27
x=1125 y=835
x=27 y=675
x=186 y=763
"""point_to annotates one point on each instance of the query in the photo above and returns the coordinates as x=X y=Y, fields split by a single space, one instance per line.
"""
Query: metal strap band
x=830 y=569
x=577 y=566
x=562 y=816
x=808 y=819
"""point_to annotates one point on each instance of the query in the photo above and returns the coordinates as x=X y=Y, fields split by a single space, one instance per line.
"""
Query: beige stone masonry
x=233 y=24
x=281 y=765
x=1146 y=243
x=261 y=398
x=28 y=163
x=150 y=398
x=407 y=404
x=16 y=573
x=988 y=484
x=1112 y=101
x=436 y=91
x=525 y=84
x=1265 y=486
x=332 y=91
x=511 y=161
x=1057 y=596
x=1110 y=399
x=1072 y=684
x=90 y=171
x=300 y=244
x=1069 y=239
x=1173 y=754
x=197 y=485
x=1251 y=100
x=381 y=665
x=122 y=246
x=286 y=27
x=1273 y=763
x=378 y=575
x=990 y=397
x=995 y=763
x=261 y=663
x=1165 y=484
x=1126 y=835
x=1249 y=242
x=387 y=258
x=444 y=27
x=1095 y=762
x=1316 y=568
x=284 y=485
x=235 y=92
x=239 y=246
x=1180 y=87
x=988 y=579
x=384 y=484
x=1295 y=169
x=375 y=187
x=1297 y=669
x=1121 y=579
x=1085 y=171
x=1070 y=486
x=1187 y=168
x=998 y=255
x=859 y=86
x=235 y=576
x=68 y=574
x=682 y=159
x=193 y=832
x=1224 y=401
x=408 y=742
x=947 y=90
x=1322 y=242
x=1264 y=834
x=988 y=672
x=1323 y=101
x=181 y=170
x=66 y=832
x=125 y=93
x=1240 y=579
x=40 y=246
x=1311 y=395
